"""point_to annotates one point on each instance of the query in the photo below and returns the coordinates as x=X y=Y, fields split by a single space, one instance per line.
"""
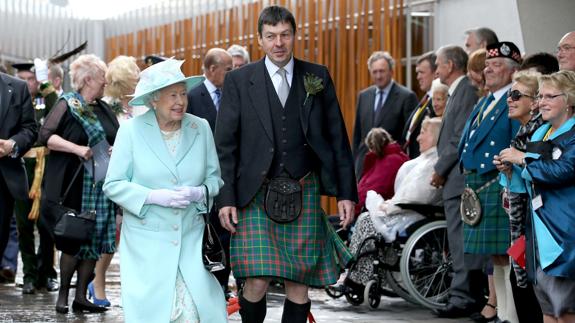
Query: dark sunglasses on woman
x=515 y=95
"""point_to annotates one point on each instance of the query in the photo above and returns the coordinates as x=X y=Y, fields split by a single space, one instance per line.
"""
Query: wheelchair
x=415 y=266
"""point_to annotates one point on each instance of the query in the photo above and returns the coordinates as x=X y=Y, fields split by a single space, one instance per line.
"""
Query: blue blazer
x=554 y=222
x=157 y=241
x=491 y=136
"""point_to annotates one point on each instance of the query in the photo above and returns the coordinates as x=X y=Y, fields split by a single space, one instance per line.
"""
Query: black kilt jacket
x=245 y=137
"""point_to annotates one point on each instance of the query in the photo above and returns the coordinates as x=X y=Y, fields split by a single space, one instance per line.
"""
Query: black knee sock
x=253 y=312
x=67 y=268
x=295 y=313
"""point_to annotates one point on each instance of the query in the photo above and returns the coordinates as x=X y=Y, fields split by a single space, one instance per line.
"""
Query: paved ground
x=15 y=307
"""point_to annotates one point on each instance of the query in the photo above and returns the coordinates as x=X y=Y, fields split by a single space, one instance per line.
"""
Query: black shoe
x=28 y=288
x=62 y=309
x=52 y=285
x=79 y=307
x=452 y=311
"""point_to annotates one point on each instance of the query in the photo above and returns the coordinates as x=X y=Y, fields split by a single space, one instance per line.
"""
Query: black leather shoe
x=28 y=288
x=52 y=285
x=452 y=311
x=79 y=307
x=8 y=275
x=62 y=309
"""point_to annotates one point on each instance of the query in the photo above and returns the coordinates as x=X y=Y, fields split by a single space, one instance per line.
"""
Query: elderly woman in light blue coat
x=161 y=165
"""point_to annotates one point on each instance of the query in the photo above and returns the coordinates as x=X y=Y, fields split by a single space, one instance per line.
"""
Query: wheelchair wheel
x=394 y=280
x=372 y=294
x=334 y=291
x=354 y=299
x=425 y=265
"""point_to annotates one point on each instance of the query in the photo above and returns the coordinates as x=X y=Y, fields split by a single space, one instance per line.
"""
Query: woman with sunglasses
x=550 y=180
x=522 y=103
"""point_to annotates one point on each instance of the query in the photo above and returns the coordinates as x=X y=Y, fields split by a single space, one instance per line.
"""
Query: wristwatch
x=14 y=153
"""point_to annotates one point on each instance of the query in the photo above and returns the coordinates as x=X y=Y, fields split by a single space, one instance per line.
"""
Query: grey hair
x=241 y=51
x=455 y=54
x=483 y=34
x=438 y=86
x=152 y=97
x=376 y=56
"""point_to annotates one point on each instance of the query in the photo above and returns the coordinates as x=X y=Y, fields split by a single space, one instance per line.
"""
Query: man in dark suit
x=385 y=104
x=451 y=66
x=18 y=133
x=204 y=100
x=425 y=71
x=280 y=118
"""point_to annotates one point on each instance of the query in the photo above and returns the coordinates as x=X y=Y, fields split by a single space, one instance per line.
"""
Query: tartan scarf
x=92 y=195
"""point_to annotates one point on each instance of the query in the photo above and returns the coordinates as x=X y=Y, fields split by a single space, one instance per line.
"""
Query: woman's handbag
x=213 y=254
x=73 y=229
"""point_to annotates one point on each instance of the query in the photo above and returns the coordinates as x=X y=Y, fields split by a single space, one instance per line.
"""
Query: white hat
x=159 y=76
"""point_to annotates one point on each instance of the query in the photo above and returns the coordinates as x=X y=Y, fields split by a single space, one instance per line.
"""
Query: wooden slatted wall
x=338 y=33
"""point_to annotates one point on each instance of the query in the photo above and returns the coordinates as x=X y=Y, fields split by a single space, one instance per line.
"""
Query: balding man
x=204 y=100
x=566 y=52
x=451 y=64
x=477 y=38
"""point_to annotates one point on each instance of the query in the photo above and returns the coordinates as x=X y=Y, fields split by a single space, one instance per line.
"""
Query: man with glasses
x=282 y=142
x=487 y=131
x=566 y=52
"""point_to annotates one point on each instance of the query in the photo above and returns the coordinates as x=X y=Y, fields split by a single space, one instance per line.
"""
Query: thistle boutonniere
x=312 y=84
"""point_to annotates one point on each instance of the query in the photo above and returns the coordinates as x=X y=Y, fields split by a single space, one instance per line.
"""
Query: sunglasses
x=516 y=95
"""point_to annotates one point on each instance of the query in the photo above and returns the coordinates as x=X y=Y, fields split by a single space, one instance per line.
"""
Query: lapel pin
x=194 y=125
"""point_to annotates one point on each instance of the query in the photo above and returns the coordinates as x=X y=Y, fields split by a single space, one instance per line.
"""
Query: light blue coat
x=156 y=240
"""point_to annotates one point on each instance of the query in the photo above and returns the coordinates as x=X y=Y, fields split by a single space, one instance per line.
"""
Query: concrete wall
x=454 y=17
x=543 y=23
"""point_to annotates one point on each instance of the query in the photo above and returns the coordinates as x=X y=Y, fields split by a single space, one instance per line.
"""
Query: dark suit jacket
x=16 y=123
x=245 y=138
x=458 y=108
x=397 y=108
x=411 y=146
x=201 y=105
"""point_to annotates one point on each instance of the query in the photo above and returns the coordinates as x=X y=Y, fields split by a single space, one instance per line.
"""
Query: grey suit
x=398 y=106
x=459 y=107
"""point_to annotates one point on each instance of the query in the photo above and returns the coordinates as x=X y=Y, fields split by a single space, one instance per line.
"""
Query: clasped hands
x=508 y=156
x=179 y=198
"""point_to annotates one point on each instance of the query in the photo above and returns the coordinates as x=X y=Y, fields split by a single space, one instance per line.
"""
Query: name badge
x=537 y=202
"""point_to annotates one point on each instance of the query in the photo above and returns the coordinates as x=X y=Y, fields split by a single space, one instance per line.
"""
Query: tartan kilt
x=491 y=235
x=307 y=251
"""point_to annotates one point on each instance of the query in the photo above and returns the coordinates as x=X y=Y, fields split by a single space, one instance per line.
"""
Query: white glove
x=167 y=198
x=192 y=193
x=41 y=68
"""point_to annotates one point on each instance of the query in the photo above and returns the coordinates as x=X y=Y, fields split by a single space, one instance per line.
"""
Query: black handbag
x=213 y=254
x=73 y=229
x=283 y=200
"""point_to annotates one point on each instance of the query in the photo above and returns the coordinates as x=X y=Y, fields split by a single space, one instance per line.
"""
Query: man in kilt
x=279 y=120
x=489 y=130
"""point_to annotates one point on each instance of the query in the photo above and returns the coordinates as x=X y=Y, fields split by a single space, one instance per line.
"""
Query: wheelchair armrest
x=423 y=209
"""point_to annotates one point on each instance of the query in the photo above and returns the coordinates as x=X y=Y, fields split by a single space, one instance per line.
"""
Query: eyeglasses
x=516 y=95
x=564 y=48
x=548 y=97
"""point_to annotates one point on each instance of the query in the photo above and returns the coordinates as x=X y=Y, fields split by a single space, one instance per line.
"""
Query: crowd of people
x=491 y=141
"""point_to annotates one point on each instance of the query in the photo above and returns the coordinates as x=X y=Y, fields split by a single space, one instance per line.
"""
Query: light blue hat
x=159 y=76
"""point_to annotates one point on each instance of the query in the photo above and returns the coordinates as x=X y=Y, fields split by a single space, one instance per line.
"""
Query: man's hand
x=437 y=180
x=228 y=218
x=6 y=147
x=346 y=209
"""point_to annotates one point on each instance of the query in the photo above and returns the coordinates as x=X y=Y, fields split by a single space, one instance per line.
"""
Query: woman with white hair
x=163 y=170
x=79 y=121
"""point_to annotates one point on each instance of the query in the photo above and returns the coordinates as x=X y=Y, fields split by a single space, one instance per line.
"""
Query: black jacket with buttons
x=246 y=140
